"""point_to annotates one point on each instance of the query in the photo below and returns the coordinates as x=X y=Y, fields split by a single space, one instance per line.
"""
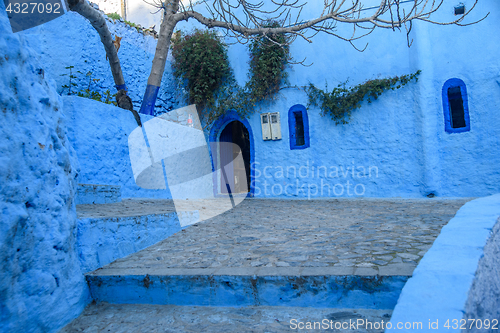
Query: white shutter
x=275 y=125
x=266 y=126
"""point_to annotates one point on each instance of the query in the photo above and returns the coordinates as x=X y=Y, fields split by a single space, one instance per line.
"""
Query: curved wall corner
x=441 y=284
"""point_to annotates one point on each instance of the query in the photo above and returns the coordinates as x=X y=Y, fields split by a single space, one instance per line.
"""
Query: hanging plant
x=340 y=102
x=269 y=56
x=200 y=61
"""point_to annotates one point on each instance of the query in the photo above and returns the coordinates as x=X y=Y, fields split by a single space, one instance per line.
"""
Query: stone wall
x=401 y=136
x=484 y=296
x=396 y=146
x=41 y=285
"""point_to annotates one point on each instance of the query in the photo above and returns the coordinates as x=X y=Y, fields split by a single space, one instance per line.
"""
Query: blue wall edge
x=439 y=287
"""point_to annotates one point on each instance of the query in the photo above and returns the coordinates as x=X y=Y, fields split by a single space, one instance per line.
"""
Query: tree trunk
x=96 y=19
x=154 y=81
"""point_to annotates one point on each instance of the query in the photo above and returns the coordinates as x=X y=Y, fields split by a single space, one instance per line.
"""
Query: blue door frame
x=214 y=137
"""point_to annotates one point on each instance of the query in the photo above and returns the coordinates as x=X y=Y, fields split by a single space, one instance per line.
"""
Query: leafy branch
x=341 y=101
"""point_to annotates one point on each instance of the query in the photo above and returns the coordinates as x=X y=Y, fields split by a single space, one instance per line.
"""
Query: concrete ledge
x=440 y=284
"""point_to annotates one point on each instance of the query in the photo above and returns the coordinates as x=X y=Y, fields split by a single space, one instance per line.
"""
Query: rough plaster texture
x=484 y=296
x=99 y=133
x=70 y=40
x=103 y=240
x=41 y=285
x=439 y=288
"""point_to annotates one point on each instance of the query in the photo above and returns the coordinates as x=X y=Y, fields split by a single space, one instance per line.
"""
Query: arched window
x=455 y=106
x=298 y=125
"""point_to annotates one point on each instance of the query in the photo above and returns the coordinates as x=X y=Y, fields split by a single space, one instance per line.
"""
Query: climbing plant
x=341 y=101
x=269 y=56
x=200 y=61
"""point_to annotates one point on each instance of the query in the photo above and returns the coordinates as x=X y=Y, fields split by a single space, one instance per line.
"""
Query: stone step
x=145 y=318
x=320 y=287
x=97 y=194
x=107 y=232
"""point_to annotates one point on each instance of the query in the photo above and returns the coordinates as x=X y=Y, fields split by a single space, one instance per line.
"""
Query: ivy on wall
x=200 y=61
x=201 y=64
x=268 y=59
x=339 y=102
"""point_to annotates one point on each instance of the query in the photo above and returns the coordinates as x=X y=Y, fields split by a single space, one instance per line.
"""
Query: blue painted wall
x=99 y=134
x=400 y=137
x=70 y=40
x=396 y=146
x=41 y=285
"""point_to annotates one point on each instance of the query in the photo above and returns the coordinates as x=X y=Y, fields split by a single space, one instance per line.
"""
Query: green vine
x=200 y=61
x=340 y=102
x=115 y=16
x=268 y=59
x=201 y=64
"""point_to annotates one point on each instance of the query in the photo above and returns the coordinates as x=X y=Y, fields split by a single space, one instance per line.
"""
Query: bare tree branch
x=246 y=21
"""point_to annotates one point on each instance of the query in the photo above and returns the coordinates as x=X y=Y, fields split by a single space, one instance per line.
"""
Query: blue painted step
x=178 y=288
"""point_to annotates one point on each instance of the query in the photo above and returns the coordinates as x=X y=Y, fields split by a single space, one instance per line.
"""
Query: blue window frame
x=455 y=106
x=298 y=127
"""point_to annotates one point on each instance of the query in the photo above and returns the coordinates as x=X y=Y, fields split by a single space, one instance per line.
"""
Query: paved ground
x=263 y=234
x=134 y=318
x=386 y=237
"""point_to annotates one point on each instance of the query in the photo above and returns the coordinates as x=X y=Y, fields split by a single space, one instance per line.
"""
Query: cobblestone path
x=364 y=233
x=277 y=237
x=134 y=318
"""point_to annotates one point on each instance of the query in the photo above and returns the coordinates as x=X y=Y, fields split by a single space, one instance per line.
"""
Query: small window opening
x=456 y=107
x=264 y=119
x=460 y=9
x=299 y=129
x=274 y=119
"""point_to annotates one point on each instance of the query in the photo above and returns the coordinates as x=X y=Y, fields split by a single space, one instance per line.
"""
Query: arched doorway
x=236 y=130
x=238 y=174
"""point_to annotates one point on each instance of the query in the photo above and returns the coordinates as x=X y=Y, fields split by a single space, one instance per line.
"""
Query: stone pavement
x=146 y=318
x=368 y=235
x=299 y=238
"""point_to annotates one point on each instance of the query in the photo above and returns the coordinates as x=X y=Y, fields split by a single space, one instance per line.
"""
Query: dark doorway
x=238 y=176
